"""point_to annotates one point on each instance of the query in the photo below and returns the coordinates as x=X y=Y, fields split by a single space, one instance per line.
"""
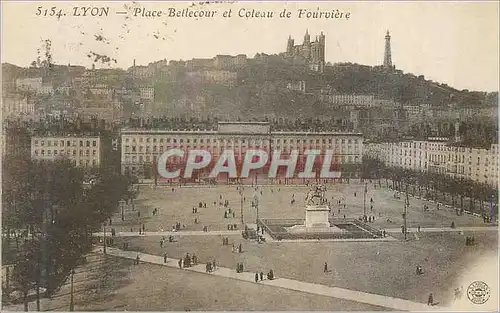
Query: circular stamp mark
x=478 y=292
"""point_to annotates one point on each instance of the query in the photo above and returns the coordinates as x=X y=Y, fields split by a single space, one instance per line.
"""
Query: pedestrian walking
x=137 y=259
x=430 y=301
x=325 y=268
x=256 y=277
x=261 y=276
x=165 y=257
x=270 y=275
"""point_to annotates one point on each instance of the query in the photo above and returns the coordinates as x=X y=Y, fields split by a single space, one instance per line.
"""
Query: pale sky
x=450 y=42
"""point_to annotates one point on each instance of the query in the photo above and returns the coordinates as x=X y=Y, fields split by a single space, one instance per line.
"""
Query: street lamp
x=122 y=203
x=364 y=200
x=104 y=235
x=256 y=198
x=241 y=203
x=405 y=213
x=71 y=304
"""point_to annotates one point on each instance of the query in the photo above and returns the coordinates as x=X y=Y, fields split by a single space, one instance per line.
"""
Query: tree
x=48 y=200
x=26 y=272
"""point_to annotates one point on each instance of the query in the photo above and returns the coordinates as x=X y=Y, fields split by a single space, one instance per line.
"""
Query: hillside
x=261 y=89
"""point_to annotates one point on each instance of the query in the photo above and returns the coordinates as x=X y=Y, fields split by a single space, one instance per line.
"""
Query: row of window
x=252 y=141
x=432 y=146
x=69 y=143
x=456 y=158
x=84 y=162
x=62 y=152
x=400 y=162
x=147 y=158
x=442 y=158
x=437 y=158
x=438 y=148
x=154 y=149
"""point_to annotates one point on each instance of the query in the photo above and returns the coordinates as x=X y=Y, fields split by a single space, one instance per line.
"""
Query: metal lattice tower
x=387 y=53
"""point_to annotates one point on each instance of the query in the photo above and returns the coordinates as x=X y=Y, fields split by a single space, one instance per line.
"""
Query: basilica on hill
x=313 y=53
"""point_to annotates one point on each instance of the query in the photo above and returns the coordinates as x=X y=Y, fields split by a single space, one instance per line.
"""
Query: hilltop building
x=312 y=52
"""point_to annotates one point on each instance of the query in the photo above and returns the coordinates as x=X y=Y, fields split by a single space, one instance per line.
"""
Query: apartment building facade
x=83 y=151
x=142 y=148
x=437 y=155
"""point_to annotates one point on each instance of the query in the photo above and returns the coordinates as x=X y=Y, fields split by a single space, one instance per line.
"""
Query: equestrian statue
x=316 y=196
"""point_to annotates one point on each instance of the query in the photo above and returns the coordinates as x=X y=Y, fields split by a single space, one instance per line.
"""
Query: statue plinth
x=316 y=221
x=317 y=213
x=317 y=216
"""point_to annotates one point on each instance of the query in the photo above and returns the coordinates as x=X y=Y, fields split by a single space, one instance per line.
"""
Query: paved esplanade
x=172 y=233
x=444 y=229
x=238 y=232
x=334 y=292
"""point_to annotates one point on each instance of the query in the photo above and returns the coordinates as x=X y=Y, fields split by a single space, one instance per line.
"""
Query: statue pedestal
x=317 y=216
x=316 y=221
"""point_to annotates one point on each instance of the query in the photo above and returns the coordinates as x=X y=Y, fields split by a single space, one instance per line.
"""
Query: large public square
x=377 y=274
x=384 y=267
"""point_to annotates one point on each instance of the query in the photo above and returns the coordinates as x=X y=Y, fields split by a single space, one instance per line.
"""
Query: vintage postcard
x=250 y=156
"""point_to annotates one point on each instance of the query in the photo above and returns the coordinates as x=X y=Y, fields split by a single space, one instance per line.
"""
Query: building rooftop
x=213 y=132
